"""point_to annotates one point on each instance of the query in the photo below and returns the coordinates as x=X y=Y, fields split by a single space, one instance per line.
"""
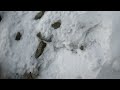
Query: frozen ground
x=59 y=44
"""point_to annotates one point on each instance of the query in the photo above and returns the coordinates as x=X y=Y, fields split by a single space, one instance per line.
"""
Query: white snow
x=62 y=58
x=110 y=69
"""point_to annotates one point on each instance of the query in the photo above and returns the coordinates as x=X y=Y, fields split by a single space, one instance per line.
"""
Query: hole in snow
x=40 y=49
x=57 y=24
x=39 y=15
x=18 y=36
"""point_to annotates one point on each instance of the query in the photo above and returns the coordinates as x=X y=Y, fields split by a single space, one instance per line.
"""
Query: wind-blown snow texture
x=78 y=49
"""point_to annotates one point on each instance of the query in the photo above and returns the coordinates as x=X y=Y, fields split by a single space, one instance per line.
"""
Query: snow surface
x=62 y=58
x=111 y=69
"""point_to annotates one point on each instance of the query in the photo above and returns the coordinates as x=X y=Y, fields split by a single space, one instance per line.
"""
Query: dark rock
x=18 y=36
x=39 y=35
x=82 y=47
x=40 y=49
x=56 y=25
x=49 y=39
x=39 y=15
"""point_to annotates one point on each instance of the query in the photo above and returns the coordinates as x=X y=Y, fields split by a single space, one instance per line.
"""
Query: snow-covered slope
x=77 y=44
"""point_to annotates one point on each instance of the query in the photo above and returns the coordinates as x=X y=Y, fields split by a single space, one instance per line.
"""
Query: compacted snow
x=59 y=44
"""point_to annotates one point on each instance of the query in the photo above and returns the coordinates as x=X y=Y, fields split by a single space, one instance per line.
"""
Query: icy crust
x=62 y=57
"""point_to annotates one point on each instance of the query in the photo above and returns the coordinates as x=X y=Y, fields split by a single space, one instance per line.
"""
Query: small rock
x=18 y=36
x=49 y=39
x=40 y=49
x=56 y=25
x=39 y=15
x=82 y=48
x=39 y=35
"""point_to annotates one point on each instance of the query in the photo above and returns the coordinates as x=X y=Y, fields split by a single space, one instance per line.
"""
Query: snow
x=111 y=68
x=62 y=58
